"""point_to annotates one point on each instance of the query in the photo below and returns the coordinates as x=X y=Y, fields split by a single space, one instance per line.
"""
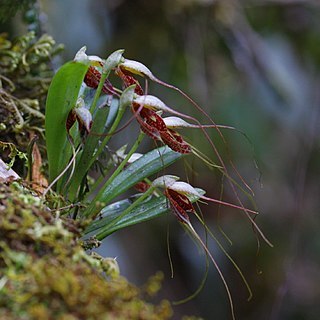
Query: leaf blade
x=62 y=96
x=152 y=208
x=148 y=164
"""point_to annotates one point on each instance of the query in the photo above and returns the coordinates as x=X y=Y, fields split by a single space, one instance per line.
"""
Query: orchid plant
x=82 y=93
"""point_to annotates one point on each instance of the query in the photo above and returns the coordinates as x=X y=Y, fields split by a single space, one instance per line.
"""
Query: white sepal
x=137 y=68
x=84 y=117
x=184 y=188
x=176 y=122
x=151 y=102
x=82 y=57
x=165 y=181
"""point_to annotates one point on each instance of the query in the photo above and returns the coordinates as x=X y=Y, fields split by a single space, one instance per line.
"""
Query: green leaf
x=142 y=168
x=150 y=209
x=62 y=97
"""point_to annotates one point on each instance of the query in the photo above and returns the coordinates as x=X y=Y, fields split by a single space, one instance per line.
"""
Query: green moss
x=46 y=274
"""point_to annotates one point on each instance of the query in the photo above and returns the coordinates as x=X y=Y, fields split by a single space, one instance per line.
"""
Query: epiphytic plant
x=81 y=92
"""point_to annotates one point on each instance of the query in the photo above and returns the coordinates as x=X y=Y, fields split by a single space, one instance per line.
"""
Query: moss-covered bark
x=46 y=274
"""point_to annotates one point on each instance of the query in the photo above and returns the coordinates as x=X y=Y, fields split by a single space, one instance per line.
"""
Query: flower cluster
x=146 y=108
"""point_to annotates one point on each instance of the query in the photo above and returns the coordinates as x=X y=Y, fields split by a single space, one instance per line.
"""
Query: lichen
x=46 y=274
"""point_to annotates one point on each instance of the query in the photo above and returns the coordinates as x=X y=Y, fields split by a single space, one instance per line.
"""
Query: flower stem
x=93 y=210
x=105 y=73
x=125 y=160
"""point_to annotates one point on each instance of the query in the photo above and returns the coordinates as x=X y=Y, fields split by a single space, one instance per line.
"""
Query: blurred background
x=251 y=64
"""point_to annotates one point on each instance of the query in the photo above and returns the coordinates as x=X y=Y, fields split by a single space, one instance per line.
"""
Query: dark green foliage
x=8 y=8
